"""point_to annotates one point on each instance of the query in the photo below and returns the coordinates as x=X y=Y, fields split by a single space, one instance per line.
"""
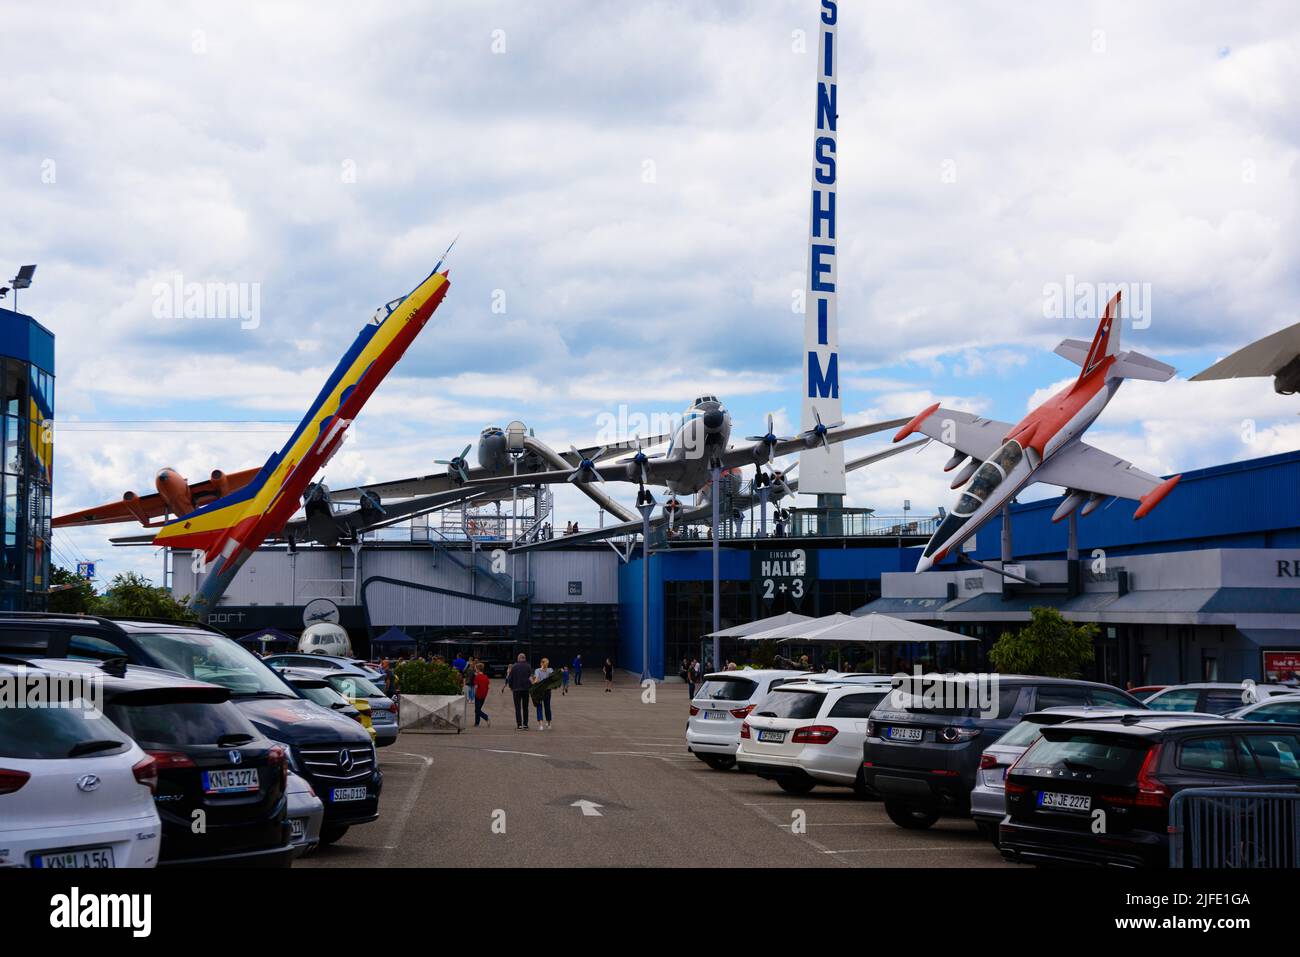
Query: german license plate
x=93 y=857
x=904 y=734
x=340 y=795
x=297 y=829
x=1056 y=801
x=714 y=715
x=231 y=781
x=776 y=737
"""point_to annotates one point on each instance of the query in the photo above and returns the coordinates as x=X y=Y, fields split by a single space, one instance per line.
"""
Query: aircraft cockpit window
x=386 y=310
x=985 y=481
x=1008 y=457
x=966 y=506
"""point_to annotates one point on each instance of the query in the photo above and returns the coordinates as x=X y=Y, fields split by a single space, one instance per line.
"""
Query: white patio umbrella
x=763 y=624
x=877 y=628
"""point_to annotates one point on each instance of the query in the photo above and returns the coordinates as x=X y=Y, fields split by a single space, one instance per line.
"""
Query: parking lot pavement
x=613 y=785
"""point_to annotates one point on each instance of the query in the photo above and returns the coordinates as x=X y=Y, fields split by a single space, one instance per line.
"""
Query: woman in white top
x=543 y=701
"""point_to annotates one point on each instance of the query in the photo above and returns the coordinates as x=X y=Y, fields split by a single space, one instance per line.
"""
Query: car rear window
x=1224 y=700
x=354 y=686
x=180 y=724
x=1022 y=735
x=1108 y=758
x=1182 y=699
x=788 y=703
x=856 y=705
x=1214 y=754
x=49 y=733
x=727 y=689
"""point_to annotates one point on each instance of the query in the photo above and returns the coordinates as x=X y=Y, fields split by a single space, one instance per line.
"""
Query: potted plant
x=433 y=697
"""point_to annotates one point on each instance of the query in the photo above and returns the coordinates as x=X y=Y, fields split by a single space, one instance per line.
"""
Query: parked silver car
x=305 y=814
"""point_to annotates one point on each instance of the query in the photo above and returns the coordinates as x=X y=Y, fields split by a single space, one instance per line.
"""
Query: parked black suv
x=332 y=752
x=1128 y=770
x=924 y=740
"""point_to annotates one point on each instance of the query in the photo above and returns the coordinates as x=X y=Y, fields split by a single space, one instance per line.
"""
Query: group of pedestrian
x=690 y=673
x=535 y=683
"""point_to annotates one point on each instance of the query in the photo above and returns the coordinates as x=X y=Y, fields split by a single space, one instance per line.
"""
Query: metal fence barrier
x=1242 y=827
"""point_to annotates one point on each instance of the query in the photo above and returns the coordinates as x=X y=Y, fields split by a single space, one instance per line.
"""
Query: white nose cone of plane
x=924 y=563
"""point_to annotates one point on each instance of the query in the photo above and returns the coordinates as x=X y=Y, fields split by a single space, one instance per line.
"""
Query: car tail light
x=744 y=730
x=11 y=781
x=146 y=772
x=953 y=735
x=814 y=734
x=1013 y=789
x=166 y=760
x=392 y=706
x=988 y=762
x=694 y=711
x=277 y=757
x=1151 y=791
x=742 y=712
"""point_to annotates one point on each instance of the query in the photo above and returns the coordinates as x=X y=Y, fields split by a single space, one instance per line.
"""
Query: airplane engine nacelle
x=964 y=475
x=956 y=460
x=761 y=452
x=174 y=490
x=220 y=483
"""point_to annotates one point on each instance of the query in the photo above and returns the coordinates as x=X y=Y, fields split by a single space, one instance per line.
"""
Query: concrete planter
x=433 y=712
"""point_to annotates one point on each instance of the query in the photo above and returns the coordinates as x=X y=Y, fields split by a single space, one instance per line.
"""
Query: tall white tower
x=821 y=470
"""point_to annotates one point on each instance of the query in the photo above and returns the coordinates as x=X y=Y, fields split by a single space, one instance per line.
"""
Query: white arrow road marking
x=531 y=754
x=589 y=808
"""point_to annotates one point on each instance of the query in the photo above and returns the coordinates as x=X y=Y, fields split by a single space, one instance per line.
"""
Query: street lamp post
x=715 y=495
x=646 y=506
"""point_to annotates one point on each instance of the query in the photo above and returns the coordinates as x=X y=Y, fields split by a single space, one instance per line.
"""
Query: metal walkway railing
x=1246 y=827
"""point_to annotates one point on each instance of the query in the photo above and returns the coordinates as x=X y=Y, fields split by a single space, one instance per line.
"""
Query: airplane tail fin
x=1105 y=343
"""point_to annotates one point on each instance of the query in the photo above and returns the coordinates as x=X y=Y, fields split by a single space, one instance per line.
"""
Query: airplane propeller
x=639 y=461
x=457 y=466
x=817 y=434
x=586 y=467
x=768 y=441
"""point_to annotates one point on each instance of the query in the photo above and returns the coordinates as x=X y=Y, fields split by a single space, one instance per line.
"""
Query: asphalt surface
x=612 y=784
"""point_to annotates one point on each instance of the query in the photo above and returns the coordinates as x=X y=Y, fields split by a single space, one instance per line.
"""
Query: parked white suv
x=810 y=732
x=74 y=790
x=719 y=707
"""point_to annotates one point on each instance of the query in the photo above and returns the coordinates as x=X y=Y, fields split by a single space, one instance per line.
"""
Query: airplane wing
x=348 y=523
x=443 y=482
x=1265 y=357
x=744 y=454
x=145 y=508
x=1086 y=468
x=613 y=531
x=971 y=434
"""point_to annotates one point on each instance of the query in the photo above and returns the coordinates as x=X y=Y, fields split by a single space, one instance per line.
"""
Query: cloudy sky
x=630 y=185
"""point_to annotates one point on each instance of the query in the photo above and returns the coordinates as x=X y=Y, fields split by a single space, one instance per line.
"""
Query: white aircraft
x=701 y=443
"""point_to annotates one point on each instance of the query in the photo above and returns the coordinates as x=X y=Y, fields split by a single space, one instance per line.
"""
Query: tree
x=75 y=597
x=1049 y=645
x=131 y=595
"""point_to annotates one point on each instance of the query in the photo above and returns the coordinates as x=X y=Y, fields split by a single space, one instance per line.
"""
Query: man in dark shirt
x=519 y=679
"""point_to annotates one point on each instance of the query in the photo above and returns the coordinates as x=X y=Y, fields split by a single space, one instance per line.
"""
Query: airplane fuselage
x=704 y=434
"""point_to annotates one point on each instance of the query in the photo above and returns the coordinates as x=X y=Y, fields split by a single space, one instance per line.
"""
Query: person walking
x=692 y=678
x=609 y=676
x=542 y=698
x=564 y=680
x=482 y=685
x=467 y=678
x=519 y=679
x=577 y=669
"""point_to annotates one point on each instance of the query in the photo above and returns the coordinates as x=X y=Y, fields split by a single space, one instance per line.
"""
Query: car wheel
x=989 y=831
x=861 y=790
x=796 y=785
x=330 y=833
x=912 y=818
x=719 y=762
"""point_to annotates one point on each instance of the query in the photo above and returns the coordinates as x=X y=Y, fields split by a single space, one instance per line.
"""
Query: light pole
x=714 y=495
x=645 y=505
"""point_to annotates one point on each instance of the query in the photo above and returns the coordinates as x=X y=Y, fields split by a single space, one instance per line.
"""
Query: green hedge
x=421 y=677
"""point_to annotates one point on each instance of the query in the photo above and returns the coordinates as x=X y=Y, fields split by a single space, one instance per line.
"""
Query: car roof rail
x=42 y=615
x=150 y=620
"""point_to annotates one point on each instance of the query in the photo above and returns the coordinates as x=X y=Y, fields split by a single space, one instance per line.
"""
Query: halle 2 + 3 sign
x=783 y=574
